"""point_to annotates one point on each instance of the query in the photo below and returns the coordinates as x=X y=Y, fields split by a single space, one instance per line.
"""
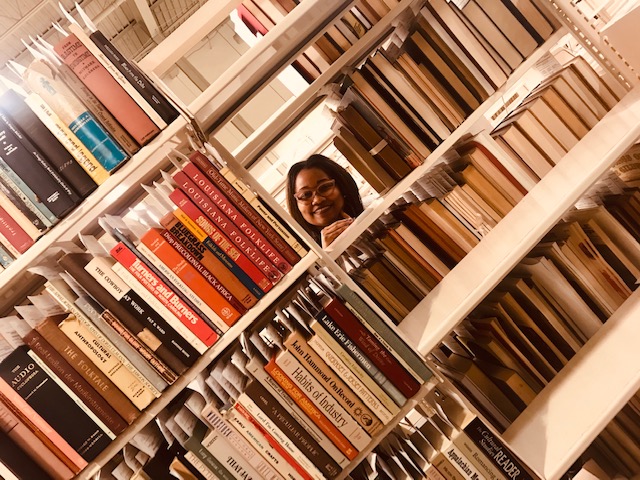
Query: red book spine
x=205 y=272
x=371 y=346
x=190 y=276
x=164 y=294
x=102 y=84
x=236 y=197
x=187 y=207
x=272 y=442
x=219 y=219
x=14 y=233
x=208 y=260
x=237 y=217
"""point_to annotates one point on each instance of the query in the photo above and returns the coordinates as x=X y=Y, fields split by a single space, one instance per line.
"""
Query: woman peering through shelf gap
x=322 y=197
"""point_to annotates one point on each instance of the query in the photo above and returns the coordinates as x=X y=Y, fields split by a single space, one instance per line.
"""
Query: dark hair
x=344 y=181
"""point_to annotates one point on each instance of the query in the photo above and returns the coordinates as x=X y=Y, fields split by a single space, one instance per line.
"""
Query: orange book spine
x=102 y=84
x=208 y=260
x=154 y=240
x=18 y=431
x=47 y=434
x=310 y=409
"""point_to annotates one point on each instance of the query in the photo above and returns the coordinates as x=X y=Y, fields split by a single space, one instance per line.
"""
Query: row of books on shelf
x=299 y=395
x=440 y=438
x=129 y=312
x=80 y=111
x=413 y=92
x=405 y=253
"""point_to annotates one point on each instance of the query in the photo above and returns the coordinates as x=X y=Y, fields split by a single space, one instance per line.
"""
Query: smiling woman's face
x=321 y=210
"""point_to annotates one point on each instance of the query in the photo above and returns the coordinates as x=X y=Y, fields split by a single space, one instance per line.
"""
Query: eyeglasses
x=324 y=189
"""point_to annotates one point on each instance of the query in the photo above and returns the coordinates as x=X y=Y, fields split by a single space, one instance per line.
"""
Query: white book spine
x=322 y=399
x=229 y=457
x=280 y=436
x=356 y=378
x=236 y=441
x=258 y=441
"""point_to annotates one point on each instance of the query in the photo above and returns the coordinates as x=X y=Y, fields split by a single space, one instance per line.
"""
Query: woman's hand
x=331 y=232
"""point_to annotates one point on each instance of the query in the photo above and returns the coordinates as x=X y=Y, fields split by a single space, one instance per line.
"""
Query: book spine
x=98 y=110
x=237 y=238
x=261 y=208
x=360 y=358
x=16 y=109
x=306 y=445
x=472 y=452
x=18 y=241
x=285 y=442
x=92 y=346
x=194 y=445
x=292 y=254
x=80 y=152
x=256 y=370
x=15 y=184
x=199 y=466
x=217 y=242
x=384 y=333
x=489 y=443
x=44 y=433
x=297 y=345
x=461 y=463
x=75 y=382
x=31 y=382
x=19 y=136
x=106 y=89
x=20 y=213
x=254 y=437
x=224 y=431
x=238 y=218
x=446 y=470
x=185 y=340
x=98 y=319
x=15 y=463
x=30 y=443
x=343 y=364
x=226 y=253
x=164 y=294
x=24 y=205
x=273 y=443
x=59 y=97
x=232 y=459
x=153 y=330
x=207 y=274
x=87 y=369
x=168 y=376
x=32 y=172
x=323 y=400
x=136 y=77
x=375 y=351
x=208 y=260
x=204 y=311
x=100 y=425
x=116 y=74
x=76 y=265
x=188 y=280
x=311 y=410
